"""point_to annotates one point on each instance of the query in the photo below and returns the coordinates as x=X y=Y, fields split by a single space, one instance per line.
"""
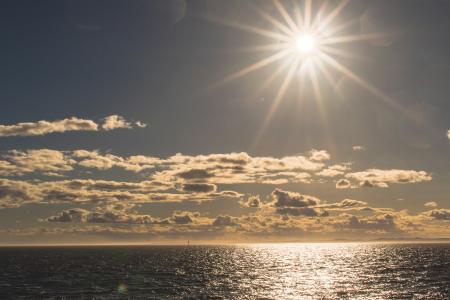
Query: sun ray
x=355 y=38
x=280 y=93
x=307 y=18
x=320 y=65
x=270 y=79
x=298 y=15
x=332 y=15
x=339 y=27
x=274 y=21
x=286 y=16
x=318 y=17
x=352 y=76
x=253 y=67
x=320 y=105
x=249 y=28
x=341 y=53
x=258 y=48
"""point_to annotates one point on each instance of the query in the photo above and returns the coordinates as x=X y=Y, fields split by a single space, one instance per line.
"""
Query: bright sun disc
x=305 y=44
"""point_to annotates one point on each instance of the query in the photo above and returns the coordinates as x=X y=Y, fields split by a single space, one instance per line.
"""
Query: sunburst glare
x=307 y=40
x=305 y=44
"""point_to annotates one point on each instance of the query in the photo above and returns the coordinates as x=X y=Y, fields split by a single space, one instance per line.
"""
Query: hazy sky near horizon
x=129 y=120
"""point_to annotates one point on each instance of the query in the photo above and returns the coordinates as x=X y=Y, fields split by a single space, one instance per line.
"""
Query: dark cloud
x=302 y=211
x=195 y=174
x=291 y=199
x=114 y=213
x=346 y=203
x=384 y=222
x=225 y=221
x=70 y=215
x=199 y=187
x=440 y=214
x=183 y=218
x=252 y=201
x=343 y=184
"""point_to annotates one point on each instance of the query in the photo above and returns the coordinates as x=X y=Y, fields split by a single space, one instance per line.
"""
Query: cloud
x=343 y=184
x=116 y=121
x=95 y=160
x=44 y=127
x=199 y=187
x=334 y=170
x=14 y=193
x=431 y=204
x=358 y=148
x=112 y=213
x=225 y=220
x=252 y=201
x=384 y=223
x=440 y=214
x=296 y=204
x=46 y=161
x=236 y=168
x=123 y=213
x=288 y=224
x=319 y=155
x=346 y=203
x=284 y=198
x=302 y=211
x=70 y=215
x=370 y=184
x=195 y=174
x=381 y=178
x=180 y=217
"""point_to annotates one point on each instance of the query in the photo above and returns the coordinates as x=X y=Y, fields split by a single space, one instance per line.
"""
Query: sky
x=224 y=121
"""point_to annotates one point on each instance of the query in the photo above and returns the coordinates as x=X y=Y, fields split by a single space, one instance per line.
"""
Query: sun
x=305 y=44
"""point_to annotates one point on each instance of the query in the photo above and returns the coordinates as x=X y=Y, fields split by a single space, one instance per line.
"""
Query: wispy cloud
x=381 y=178
x=431 y=204
x=358 y=148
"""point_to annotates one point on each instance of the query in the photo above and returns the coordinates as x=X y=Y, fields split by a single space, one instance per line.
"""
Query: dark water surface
x=264 y=271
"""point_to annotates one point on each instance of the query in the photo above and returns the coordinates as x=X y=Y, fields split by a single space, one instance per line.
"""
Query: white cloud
x=358 y=148
x=381 y=178
x=44 y=127
x=431 y=204
x=252 y=201
x=49 y=162
x=116 y=121
x=343 y=184
x=334 y=170
x=319 y=155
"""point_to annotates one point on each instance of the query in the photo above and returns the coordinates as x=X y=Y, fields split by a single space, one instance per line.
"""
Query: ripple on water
x=264 y=271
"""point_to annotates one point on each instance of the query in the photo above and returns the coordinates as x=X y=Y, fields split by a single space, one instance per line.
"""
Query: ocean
x=260 y=271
